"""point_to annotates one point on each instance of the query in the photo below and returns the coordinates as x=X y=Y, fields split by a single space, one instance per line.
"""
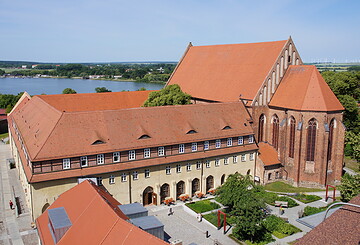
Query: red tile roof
x=224 y=72
x=342 y=227
x=303 y=88
x=268 y=154
x=96 y=219
x=96 y=101
x=50 y=134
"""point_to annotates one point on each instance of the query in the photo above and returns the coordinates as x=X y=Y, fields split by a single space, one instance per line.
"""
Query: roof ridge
x=306 y=91
x=234 y=44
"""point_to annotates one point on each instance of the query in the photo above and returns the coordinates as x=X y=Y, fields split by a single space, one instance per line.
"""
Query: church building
x=295 y=114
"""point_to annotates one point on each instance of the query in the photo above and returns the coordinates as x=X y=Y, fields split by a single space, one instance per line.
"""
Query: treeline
x=346 y=87
x=8 y=101
x=140 y=72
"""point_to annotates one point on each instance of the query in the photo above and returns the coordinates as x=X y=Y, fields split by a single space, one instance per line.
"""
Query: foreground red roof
x=303 y=88
x=224 y=72
x=268 y=154
x=96 y=219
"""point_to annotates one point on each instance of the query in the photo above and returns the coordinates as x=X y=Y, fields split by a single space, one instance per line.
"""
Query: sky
x=160 y=30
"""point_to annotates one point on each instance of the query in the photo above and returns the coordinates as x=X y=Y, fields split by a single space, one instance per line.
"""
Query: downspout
x=130 y=199
x=32 y=206
x=299 y=161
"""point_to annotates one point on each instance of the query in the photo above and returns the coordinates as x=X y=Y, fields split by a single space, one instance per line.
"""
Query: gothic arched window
x=261 y=128
x=311 y=140
x=292 y=137
x=275 y=132
x=331 y=133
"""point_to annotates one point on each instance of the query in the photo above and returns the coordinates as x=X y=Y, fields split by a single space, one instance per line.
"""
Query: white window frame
x=194 y=146
x=168 y=170
x=123 y=177
x=132 y=155
x=240 y=140
x=229 y=142
x=207 y=164
x=135 y=175
x=206 y=145
x=147 y=173
x=198 y=165
x=147 y=153
x=251 y=139
x=218 y=143
x=112 y=179
x=252 y=156
x=235 y=159
x=178 y=168
x=188 y=167
x=66 y=163
x=100 y=159
x=217 y=162
x=243 y=157
x=161 y=151
x=181 y=148
x=116 y=155
x=83 y=158
x=226 y=160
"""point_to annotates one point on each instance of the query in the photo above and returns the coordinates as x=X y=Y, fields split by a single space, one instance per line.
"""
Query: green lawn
x=2 y=136
x=279 y=228
x=202 y=206
x=313 y=210
x=270 y=198
x=283 y=187
x=306 y=198
x=352 y=164
x=212 y=218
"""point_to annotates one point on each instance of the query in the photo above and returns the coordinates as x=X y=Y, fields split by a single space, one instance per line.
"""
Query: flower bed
x=184 y=197
x=168 y=201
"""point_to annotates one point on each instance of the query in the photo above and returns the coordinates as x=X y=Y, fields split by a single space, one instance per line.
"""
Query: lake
x=36 y=86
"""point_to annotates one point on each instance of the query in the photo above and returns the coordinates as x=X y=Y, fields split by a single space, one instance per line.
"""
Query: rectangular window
x=181 y=148
x=194 y=147
x=198 y=165
x=226 y=160
x=207 y=163
x=99 y=181
x=147 y=173
x=66 y=163
x=161 y=151
x=100 y=159
x=132 y=155
x=229 y=142
x=252 y=156
x=240 y=140
x=206 y=145
x=83 y=161
x=147 y=153
x=135 y=175
x=178 y=168
x=235 y=159
x=123 y=177
x=188 y=167
x=116 y=156
x=112 y=179
x=168 y=170
x=243 y=157
x=217 y=162
x=218 y=143
x=251 y=139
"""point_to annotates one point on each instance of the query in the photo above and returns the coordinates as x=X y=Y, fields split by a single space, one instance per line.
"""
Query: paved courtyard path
x=14 y=229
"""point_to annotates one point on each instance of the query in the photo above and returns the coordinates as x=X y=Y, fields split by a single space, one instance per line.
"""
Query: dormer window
x=191 y=132
x=226 y=127
x=144 y=136
x=98 y=142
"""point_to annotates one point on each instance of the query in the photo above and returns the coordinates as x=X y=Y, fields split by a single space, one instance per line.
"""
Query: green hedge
x=279 y=227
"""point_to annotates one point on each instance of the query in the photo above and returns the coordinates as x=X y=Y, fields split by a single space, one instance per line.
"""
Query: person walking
x=11 y=204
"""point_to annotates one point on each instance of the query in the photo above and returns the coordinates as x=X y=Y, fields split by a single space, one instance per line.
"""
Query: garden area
x=283 y=187
x=202 y=206
x=306 y=198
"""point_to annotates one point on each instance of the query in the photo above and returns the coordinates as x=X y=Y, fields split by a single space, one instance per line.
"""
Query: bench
x=281 y=203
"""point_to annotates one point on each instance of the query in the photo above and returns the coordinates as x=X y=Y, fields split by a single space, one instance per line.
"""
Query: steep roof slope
x=96 y=101
x=123 y=129
x=224 y=72
x=342 y=227
x=268 y=154
x=96 y=219
x=303 y=88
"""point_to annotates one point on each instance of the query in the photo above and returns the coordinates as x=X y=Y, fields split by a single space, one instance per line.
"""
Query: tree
x=170 y=95
x=2 y=72
x=350 y=187
x=352 y=141
x=101 y=90
x=240 y=194
x=69 y=91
